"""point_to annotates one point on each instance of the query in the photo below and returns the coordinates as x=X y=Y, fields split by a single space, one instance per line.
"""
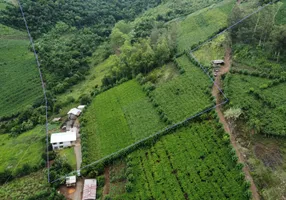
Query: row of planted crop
x=162 y=164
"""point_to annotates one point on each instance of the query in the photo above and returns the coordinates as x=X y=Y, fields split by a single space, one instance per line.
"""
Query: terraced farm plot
x=118 y=118
x=185 y=95
x=27 y=148
x=265 y=108
x=192 y=163
x=200 y=25
x=19 y=78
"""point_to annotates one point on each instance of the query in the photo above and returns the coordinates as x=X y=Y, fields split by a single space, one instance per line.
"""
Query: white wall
x=60 y=146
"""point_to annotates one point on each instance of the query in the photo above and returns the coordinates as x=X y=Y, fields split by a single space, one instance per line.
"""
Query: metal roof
x=81 y=107
x=63 y=137
x=70 y=179
x=89 y=189
x=75 y=111
x=218 y=61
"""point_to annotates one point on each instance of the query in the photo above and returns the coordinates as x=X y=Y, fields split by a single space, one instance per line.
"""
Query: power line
x=43 y=86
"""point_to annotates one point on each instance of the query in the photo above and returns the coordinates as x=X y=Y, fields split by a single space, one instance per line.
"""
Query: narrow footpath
x=215 y=92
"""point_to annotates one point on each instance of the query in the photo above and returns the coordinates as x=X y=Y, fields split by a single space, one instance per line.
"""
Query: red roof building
x=89 y=189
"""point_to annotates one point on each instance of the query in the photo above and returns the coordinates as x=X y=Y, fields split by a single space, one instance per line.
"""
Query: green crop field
x=263 y=106
x=118 y=118
x=25 y=187
x=193 y=163
x=27 y=149
x=200 y=25
x=184 y=95
x=19 y=77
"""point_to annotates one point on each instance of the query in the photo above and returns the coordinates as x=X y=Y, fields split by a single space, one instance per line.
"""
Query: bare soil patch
x=269 y=155
x=106 y=187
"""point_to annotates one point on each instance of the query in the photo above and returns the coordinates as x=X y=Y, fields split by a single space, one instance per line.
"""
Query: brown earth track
x=215 y=92
x=107 y=181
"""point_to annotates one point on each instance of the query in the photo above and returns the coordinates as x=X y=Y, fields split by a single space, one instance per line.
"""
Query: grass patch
x=68 y=155
x=184 y=95
x=27 y=148
x=200 y=25
x=194 y=162
x=19 y=77
x=118 y=118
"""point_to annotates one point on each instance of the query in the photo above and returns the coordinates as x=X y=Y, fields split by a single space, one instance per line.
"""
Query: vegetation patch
x=33 y=186
x=68 y=156
x=22 y=153
x=199 y=26
x=257 y=94
x=214 y=50
x=91 y=82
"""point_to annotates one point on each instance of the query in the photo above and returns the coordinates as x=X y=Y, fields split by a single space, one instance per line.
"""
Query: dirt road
x=77 y=151
x=216 y=94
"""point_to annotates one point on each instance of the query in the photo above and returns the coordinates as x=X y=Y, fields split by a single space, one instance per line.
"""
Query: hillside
x=159 y=121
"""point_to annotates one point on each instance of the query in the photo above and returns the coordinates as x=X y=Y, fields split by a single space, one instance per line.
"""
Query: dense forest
x=260 y=31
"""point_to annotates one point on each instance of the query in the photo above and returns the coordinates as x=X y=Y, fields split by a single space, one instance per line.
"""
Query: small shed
x=71 y=181
x=81 y=107
x=89 y=189
x=62 y=140
x=218 y=62
x=74 y=113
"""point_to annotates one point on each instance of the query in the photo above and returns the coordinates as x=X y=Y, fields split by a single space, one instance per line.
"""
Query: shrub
x=130 y=177
x=107 y=197
x=129 y=187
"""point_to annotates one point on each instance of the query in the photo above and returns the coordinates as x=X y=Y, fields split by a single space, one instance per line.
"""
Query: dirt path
x=78 y=191
x=216 y=94
x=77 y=151
x=72 y=193
x=107 y=181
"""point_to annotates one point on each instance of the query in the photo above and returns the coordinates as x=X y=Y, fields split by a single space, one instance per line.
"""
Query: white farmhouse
x=62 y=140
